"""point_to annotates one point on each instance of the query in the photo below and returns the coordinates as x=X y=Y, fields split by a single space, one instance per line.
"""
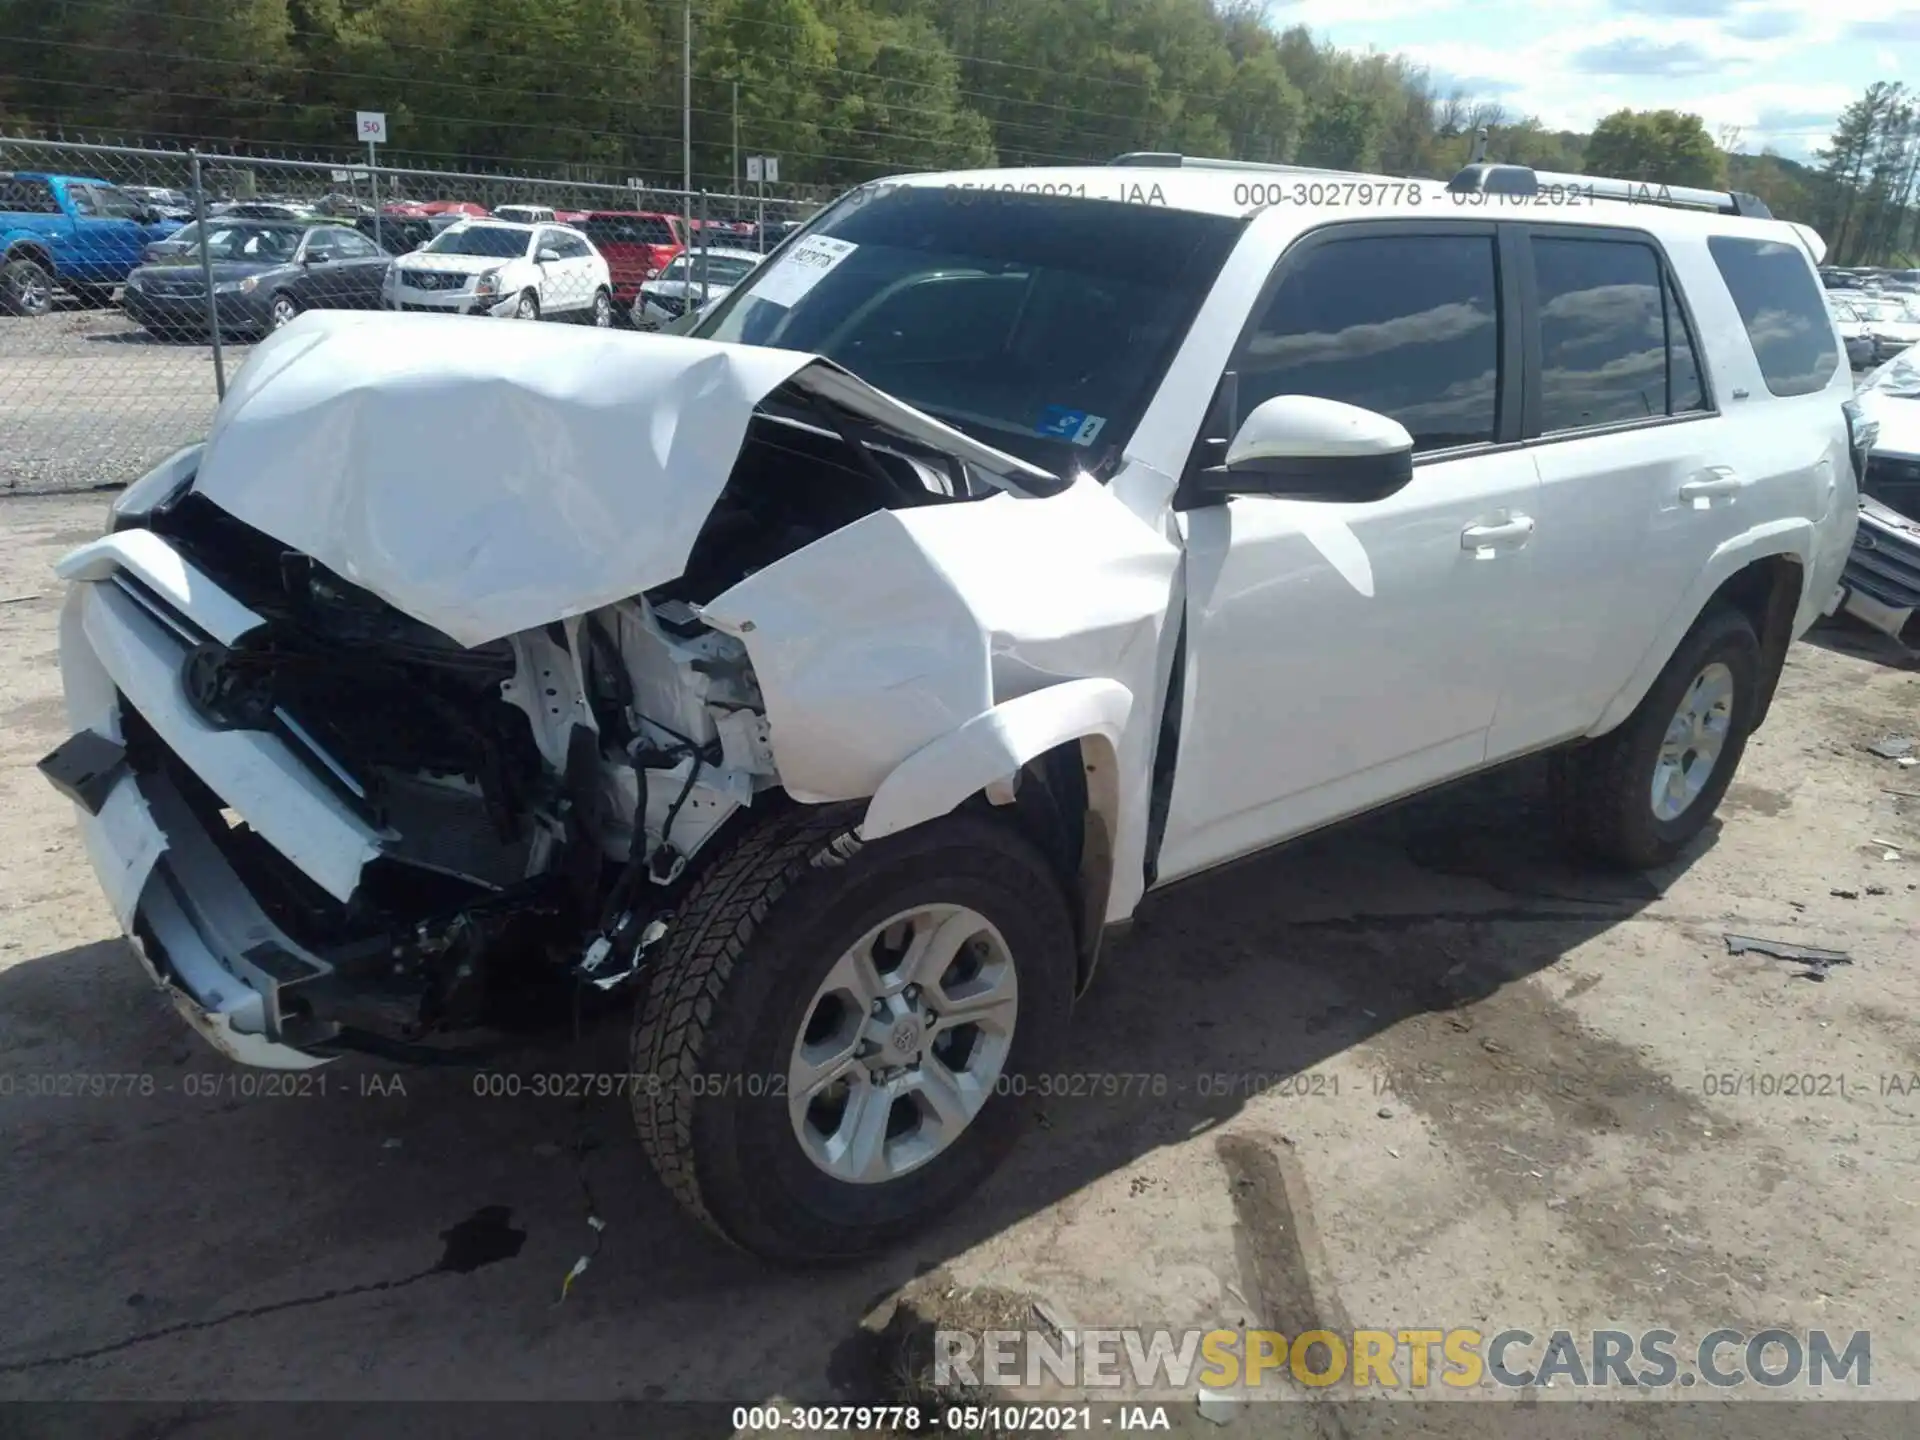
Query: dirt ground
x=1415 y=1072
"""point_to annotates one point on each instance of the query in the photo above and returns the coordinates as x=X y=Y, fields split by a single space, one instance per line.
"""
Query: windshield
x=1879 y=310
x=494 y=240
x=714 y=269
x=261 y=244
x=1039 y=324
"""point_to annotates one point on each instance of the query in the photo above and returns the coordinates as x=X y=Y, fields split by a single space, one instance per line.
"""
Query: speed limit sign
x=370 y=127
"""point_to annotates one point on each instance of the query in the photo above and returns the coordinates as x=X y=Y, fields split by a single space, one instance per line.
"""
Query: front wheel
x=838 y=1045
x=1636 y=796
x=528 y=308
x=25 y=288
x=285 y=309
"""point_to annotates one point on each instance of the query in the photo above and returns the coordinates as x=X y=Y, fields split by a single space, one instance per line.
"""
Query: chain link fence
x=133 y=280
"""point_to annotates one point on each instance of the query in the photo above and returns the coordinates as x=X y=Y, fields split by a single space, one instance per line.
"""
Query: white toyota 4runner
x=832 y=676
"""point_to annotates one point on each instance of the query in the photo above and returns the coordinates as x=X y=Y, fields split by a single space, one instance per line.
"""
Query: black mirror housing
x=1349 y=479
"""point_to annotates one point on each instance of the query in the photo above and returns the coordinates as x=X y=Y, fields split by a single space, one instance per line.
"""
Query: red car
x=638 y=244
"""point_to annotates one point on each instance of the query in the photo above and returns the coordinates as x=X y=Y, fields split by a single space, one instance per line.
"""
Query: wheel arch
x=29 y=249
x=1762 y=576
x=1049 y=761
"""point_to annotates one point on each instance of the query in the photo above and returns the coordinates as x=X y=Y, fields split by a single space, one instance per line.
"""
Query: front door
x=1339 y=655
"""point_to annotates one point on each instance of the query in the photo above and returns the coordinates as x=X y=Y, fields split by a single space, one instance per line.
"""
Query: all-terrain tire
x=1602 y=790
x=714 y=1031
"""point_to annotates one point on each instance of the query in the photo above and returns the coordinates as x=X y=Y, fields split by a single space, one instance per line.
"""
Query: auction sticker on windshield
x=802 y=268
x=1060 y=423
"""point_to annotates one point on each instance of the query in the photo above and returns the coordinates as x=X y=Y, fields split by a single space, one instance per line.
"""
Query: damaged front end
x=360 y=775
x=361 y=835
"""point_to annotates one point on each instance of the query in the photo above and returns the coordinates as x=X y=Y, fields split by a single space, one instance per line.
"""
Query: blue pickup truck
x=71 y=232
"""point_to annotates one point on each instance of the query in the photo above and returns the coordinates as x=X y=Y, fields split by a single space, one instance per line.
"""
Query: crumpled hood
x=490 y=477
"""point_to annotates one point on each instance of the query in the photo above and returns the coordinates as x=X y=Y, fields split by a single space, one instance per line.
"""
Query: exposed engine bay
x=540 y=800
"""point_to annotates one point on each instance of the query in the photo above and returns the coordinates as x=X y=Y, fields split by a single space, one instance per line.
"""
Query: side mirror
x=548 y=256
x=1307 y=448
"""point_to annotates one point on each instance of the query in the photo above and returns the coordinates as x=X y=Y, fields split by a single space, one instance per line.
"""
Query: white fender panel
x=1793 y=537
x=993 y=746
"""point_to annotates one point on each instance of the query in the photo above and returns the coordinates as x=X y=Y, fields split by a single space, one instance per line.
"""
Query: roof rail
x=1524 y=180
x=1172 y=160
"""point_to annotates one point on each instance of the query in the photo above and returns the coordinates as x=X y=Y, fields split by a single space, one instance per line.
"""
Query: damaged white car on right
x=831 y=678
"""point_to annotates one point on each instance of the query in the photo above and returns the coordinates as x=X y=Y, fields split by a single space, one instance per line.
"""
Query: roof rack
x=1172 y=160
x=1518 y=180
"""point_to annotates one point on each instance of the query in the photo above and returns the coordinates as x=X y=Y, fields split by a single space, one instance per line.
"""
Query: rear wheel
x=1636 y=796
x=836 y=1047
x=601 y=315
x=25 y=287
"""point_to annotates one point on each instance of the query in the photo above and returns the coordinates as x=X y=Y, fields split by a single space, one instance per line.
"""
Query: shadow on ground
x=193 y=1232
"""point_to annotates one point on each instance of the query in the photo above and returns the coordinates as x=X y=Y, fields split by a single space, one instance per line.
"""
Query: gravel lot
x=1458 y=1084
x=88 y=398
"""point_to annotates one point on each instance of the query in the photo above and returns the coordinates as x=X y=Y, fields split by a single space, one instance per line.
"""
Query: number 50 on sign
x=370 y=126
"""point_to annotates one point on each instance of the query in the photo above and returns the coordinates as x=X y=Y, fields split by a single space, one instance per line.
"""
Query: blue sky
x=1779 y=69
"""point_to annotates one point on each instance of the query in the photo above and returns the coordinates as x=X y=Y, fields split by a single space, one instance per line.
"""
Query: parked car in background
x=265 y=272
x=1890 y=397
x=637 y=244
x=180 y=241
x=525 y=214
x=167 y=204
x=262 y=210
x=1876 y=325
x=71 y=232
x=465 y=209
x=492 y=267
x=693 y=280
x=776 y=231
x=400 y=234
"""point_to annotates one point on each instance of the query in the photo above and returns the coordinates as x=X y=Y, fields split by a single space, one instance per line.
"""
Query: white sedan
x=709 y=277
x=489 y=267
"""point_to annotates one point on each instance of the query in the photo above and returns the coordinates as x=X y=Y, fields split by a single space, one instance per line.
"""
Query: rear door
x=345 y=271
x=1633 y=493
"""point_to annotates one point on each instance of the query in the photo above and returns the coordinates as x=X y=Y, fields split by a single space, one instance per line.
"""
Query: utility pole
x=736 y=137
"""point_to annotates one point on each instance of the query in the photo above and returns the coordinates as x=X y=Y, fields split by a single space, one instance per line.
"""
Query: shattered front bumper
x=202 y=936
x=189 y=924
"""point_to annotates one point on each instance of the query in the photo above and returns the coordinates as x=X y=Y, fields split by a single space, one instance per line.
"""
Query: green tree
x=1660 y=147
x=1342 y=133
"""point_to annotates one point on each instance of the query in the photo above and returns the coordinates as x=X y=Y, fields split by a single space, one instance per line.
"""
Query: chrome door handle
x=1714 y=481
x=1507 y=535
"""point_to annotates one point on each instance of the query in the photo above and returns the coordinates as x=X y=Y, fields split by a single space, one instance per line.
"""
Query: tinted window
x=352 y=246
x=1614 y=343
x=1780 y=305
x=114 y=202
x=1406 y=325
x=571 y=246
x=24 y=196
